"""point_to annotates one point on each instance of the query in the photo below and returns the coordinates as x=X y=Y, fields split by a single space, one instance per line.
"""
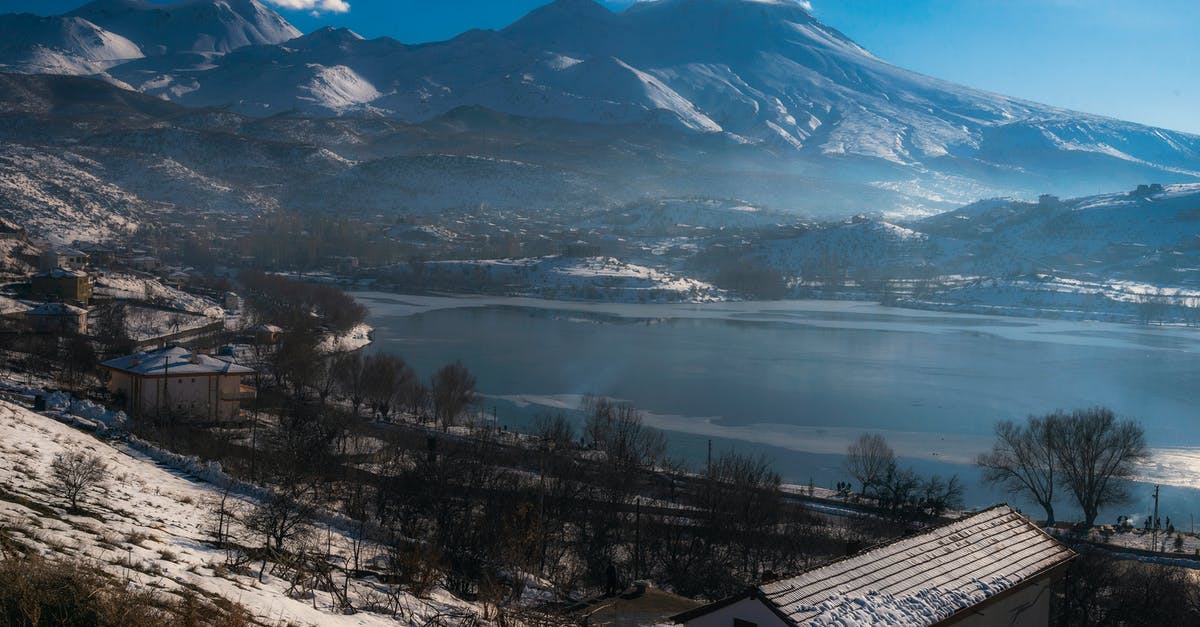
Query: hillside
x=153 y=525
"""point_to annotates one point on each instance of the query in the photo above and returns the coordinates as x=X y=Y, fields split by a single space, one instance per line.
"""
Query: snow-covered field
x=134 y=287
x=152 y=524
x=352 y=340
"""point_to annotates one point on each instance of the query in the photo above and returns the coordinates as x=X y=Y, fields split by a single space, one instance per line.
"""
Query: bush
x=36 y=591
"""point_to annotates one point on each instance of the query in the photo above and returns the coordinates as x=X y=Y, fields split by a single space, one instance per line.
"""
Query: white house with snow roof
x=990 y=568
x=179 y=382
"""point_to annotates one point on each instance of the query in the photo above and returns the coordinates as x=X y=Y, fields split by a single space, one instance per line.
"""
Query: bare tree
x=453 y=390
x=554 y=429
x=1023 y=461
x=384 y=377
x=1096 y=452
x=348 y=372
x=870 y=460
x=75 y=473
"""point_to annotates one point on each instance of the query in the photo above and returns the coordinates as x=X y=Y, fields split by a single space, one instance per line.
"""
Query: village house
x=990 y=568
x=178 y=382
x=265 y=334
x=73 y=286
x=57 y=319
x=66 y=258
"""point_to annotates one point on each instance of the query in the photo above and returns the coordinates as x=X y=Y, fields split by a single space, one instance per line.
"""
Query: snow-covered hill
x=60 y=45
x=152 y=525
x=567 y=278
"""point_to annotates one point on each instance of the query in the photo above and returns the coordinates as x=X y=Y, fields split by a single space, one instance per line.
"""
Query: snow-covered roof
x=62 y=273
x=932 y=575
x=56 y=309
x=12 y=306
x=920 y=579
x=175 y=360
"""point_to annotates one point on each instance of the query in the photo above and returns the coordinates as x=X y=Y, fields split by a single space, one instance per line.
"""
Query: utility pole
x=637 y=541
x=1154 y=536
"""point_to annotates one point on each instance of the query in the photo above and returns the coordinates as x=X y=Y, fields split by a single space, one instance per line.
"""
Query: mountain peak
x=190 y=25
x=563 y=22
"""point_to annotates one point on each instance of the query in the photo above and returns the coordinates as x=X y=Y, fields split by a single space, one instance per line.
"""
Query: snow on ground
x=147 y=323
x=1045 y=295
x=584 y=278
x=135 y=287
x=151 y=524
x=352 y=340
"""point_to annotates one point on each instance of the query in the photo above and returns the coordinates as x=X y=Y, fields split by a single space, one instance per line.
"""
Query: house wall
x=64 y=324
x=1027 y=607
x=749 y=610
x=65 y=288
x=191 y=396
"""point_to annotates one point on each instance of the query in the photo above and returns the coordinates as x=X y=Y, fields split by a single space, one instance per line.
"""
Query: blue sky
x=1137 y=61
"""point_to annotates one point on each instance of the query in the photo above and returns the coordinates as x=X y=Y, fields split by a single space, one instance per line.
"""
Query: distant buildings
x=66 y=258
x=266 y=334
x=178 y=382
x=990 y=568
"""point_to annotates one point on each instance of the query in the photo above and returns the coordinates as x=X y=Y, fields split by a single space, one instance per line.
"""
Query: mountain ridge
x=756 y=73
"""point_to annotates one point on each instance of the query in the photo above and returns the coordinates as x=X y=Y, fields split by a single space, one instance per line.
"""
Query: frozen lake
x=799 y=380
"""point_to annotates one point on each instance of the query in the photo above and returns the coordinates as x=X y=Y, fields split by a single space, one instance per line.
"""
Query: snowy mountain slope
x=60 y=45
x=738 y=98
x=151 y=525
x=430 y=182
x=58 y=198
x=189 y=25
x=766 y=72
x=1107 y=255
x=679 y=216
x=1147 y=234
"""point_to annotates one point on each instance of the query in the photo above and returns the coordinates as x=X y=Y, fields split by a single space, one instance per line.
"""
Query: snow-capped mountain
x=751 y=99
x=762 y=72
x=199 y=26
x=60 y=45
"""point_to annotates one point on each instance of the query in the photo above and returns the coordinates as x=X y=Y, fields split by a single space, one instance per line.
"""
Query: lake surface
x=799 y=380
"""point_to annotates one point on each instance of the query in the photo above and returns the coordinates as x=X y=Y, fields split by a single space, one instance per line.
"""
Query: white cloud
x=315 y=6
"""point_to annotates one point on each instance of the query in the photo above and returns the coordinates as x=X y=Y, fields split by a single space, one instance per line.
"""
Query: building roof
x=56 y=309
x=62 y=273
x=920 y=579
x=175 y=360
x=11 y=306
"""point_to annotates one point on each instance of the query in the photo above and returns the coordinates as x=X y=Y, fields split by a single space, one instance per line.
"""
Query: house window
x=737 y=622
